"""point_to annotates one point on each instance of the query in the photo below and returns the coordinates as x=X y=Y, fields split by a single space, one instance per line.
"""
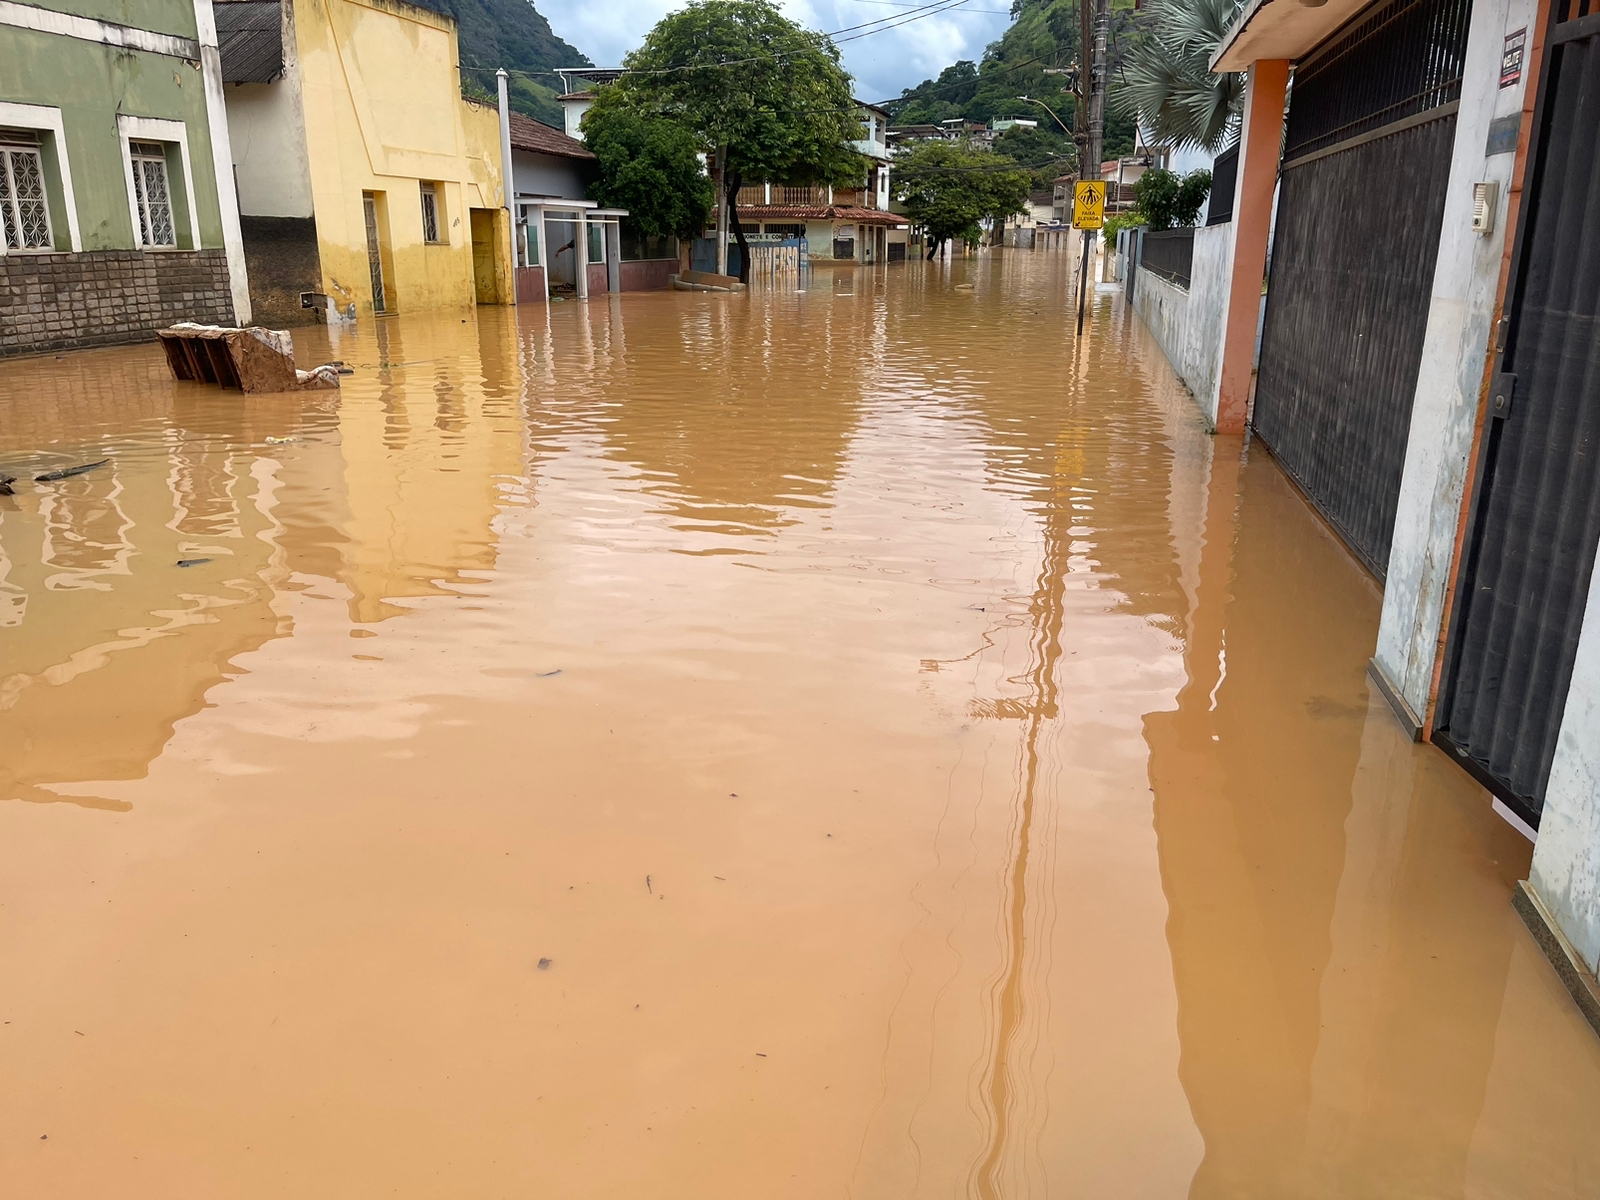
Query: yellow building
x=367 y=183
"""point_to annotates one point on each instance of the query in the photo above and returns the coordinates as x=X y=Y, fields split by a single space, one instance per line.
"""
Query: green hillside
x=510 y=34
x=1044 y=34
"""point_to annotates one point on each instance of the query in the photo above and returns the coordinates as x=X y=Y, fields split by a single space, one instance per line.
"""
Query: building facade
x=367 y=184
x=839 y=224
x=116 y=197
x=1422 y=366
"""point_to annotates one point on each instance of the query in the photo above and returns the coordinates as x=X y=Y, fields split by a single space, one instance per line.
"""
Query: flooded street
x=847 y=744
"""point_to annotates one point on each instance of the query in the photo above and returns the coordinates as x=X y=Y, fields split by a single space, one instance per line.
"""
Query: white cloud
x=883 y=64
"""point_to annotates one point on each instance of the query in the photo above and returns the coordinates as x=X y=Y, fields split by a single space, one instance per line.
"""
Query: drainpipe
x=205 y=21
x=508 y=177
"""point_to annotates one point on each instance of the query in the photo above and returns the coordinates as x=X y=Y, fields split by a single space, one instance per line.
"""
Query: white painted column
x=1450 y=385
x=508 y=175
x=221 y=163
x=1566 y=860
x=580 y=252
x=544 y=256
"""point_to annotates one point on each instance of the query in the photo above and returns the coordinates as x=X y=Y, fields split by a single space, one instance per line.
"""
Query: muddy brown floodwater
x=853 y=743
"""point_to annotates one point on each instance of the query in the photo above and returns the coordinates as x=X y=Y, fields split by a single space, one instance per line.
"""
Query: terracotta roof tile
x=539 y=138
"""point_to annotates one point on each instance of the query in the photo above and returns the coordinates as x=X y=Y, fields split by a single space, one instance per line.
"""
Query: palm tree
x=1167 y=83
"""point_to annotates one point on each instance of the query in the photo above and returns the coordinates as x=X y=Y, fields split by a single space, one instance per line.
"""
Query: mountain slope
x=514 y=35
x=1043 y=35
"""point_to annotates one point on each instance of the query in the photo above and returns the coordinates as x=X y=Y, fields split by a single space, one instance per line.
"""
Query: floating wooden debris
x=250 y=360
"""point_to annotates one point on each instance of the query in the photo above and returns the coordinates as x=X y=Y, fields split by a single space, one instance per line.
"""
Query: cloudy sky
x=883 y=63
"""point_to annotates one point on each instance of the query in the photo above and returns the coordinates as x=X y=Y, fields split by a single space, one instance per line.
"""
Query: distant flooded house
x=367 y=184
x=849 y=224
x=116 y=199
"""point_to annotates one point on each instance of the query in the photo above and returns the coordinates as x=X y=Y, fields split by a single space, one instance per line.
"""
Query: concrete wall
x=1187 y=322
x=267 y=130
x=1566 y=860
x=383 y=113
x=1451 y=382
x=550 y=175
x=102 y=297
x=281 y=253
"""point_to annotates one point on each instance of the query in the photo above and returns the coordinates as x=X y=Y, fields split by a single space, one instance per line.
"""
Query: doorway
x=486 y=288
x=380 y=291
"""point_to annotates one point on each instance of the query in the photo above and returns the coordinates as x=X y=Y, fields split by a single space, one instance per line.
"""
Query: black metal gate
x=1535 y=516
x=1361 y=196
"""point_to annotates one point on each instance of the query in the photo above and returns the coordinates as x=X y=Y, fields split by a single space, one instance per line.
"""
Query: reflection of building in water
x=735 y=416
x=434 y=447
x=106 y=641
x=1341 y=937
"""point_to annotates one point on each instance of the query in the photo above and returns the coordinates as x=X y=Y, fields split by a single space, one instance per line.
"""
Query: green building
x=116 y=188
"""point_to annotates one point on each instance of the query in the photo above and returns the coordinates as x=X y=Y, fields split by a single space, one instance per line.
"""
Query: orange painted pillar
x=1259 y=145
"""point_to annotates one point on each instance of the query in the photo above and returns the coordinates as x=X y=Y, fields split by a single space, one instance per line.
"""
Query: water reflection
x=925 y=762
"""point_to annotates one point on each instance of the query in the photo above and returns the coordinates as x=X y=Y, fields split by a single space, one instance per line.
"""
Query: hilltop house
x=367 y=184
x=116 y=201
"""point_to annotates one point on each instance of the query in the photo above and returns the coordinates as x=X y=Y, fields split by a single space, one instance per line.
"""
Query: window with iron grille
x=24 y=210
x=152 y=194
x=1402 y=58
x=430 y=212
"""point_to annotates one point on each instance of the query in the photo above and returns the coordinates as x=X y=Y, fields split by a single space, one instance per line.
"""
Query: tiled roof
x=250 y=39
x=539 y=138
x=819 y=212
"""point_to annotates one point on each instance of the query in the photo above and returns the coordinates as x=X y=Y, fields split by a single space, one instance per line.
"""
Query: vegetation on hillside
x=1043 y=36
x=510 y=34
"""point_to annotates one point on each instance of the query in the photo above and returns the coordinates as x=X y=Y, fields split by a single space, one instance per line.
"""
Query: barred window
x=153 y=195
x=430 y=212
x=24 y=210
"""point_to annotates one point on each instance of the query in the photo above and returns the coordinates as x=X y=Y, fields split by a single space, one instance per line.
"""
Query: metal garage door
x=1361 y=196
x=1535 y=518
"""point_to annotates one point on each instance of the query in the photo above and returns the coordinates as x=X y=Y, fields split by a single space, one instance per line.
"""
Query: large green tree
x=948 y=188
x=649 y=166
x=754 y=89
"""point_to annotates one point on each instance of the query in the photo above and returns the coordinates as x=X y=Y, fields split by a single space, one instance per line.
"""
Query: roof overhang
x=1271 y=29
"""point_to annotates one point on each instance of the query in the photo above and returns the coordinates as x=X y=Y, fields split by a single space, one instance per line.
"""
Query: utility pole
x=1092 y=24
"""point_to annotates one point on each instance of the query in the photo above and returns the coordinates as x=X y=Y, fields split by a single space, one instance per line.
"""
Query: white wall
x=548 y=175
x=1454 y=355
x=1566 y=860
x=266 y=128
x=1187 y=323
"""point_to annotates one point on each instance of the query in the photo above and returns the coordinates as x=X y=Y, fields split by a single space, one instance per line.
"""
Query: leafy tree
x=1168 y=83
x=1047 y=153
x=948 y=188
x=1169 y=201
x=746 y=82
x=648 y=165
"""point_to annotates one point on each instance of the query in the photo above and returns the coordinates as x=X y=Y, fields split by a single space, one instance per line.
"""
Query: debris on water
x=548 y=674
x=647 y=886
x=192 y=562
x=69 y=472
x=544 y=964
x=5 y=484
x=277 y=441
x=759 y=1054
x=341 y=369
x=719 y=877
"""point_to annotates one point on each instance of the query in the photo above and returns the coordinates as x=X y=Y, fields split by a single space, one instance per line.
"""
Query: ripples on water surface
x=930 y=765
